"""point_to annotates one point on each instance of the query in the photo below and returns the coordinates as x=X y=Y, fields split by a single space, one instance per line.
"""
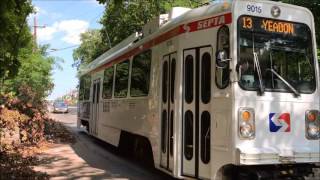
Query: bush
x=21 y=121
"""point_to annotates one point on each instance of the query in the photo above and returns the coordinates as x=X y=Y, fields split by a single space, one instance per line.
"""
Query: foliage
x=91 y=47
x=70 y=98
x=31 y=132
x=33 y=80
x=22 y=63
x=158 y=3
x=20 y=120
x=124 y=17
x=27 y=123
x=57 y=132
x=121 y=18
x=15 y=166
x=14 y=34
x=119 y=22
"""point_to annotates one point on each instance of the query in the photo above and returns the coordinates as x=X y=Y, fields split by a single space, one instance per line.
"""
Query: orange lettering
x=280 y=28
x=247 y=22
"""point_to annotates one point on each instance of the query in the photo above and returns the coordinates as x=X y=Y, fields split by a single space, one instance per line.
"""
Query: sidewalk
x=62 y=162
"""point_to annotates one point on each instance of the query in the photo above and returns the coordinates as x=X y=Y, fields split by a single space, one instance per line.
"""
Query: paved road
x=90 y=158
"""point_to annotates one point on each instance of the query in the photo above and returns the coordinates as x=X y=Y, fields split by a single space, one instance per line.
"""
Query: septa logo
x=279 y=122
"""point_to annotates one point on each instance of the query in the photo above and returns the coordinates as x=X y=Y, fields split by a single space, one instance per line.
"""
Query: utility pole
x=35 y=26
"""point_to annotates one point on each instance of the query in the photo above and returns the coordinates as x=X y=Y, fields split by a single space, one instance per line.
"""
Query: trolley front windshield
x=278 y=54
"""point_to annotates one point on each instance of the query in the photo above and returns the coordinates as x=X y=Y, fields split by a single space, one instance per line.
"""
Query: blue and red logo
x=279 y=122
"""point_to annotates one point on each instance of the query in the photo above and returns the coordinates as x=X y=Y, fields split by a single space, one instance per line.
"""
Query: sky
x=64 y=21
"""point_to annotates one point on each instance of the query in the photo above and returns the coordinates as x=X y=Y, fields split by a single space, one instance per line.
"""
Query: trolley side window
x=189 y=79
x=164 y=81
x=206 y=78
x=81 y=89
x=222 y=71
x=140 y=74
x=85 y=84
x=188 y=135
x=205 y=137
x=173 y=75
x=121 y=79
x=108 y=83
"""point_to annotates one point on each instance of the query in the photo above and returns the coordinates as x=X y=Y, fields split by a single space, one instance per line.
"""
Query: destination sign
x=267 y=25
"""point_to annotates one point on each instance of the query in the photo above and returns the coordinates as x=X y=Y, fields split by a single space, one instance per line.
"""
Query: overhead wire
x=60 y=49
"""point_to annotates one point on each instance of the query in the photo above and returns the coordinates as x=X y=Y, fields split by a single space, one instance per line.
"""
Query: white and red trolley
x=229 y=89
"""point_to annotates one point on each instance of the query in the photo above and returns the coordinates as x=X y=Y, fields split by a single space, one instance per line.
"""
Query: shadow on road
x=92 y=158
x=110 y=160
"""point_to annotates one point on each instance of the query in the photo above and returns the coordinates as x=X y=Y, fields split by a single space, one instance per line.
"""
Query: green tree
x=121 y=18
x=121 y=21
x=124 y=17
x=35 y=73
x=91 y=47
x=14 y=34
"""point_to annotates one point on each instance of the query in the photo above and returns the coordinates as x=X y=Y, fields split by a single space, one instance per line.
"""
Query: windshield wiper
x=296 y=93
x=257 y=64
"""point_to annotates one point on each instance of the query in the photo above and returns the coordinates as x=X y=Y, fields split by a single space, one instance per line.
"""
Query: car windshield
x=60 y=104
x=284 y=54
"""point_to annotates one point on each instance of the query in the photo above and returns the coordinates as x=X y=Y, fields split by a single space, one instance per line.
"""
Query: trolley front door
x=168 y=69
x=196 y=119
x=95 y=107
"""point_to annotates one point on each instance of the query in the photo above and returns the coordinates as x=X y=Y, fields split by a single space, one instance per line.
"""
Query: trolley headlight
x=246 y=130
x=246 y=124
x=312 y=125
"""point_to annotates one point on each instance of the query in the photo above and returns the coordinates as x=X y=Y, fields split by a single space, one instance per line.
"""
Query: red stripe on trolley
x=190 y=27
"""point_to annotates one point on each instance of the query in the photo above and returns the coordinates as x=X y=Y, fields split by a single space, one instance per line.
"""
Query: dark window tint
x=81 y=89
x=98 y=92
x=173 y=76
x=222 y=74
x=107 y=83
x=140 y=74
x=164 y=131
x=188 y=135
x=205 y=137
x=164 y=81
x=85 y=85
x=188 y=74
x=206 y=78
x=171 y=133
x=94 y=93
x=288 y=55
x=121 y=81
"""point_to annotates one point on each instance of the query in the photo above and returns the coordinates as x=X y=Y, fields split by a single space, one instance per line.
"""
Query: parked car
x=60 y=107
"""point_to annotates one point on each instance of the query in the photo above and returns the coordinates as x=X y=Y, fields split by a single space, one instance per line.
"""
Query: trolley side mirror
x=222 y=59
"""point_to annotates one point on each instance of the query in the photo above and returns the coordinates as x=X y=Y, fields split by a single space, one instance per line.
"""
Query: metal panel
x=204 y=106
x=164 y=111
x=188 y=162
x=167 y=113
x=95 y=107
x=197 y=164
x=171 y=99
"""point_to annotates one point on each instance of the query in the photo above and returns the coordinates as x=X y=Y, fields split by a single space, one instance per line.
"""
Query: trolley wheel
x=136 y=147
